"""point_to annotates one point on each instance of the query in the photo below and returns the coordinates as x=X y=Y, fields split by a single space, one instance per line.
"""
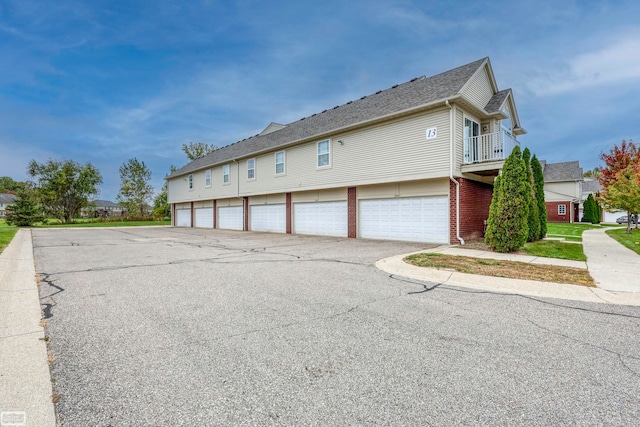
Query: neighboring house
x=103 y=208
x=414 y=162
x=5 y=201
x=592 y=186
x=563 y=191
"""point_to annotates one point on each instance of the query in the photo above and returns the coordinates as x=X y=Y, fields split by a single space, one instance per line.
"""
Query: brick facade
x=352 y=212
x=475 y=200
x=245 y=208
x=552 y=211
x=215 y=214
x=288 y=213
x=193 y=214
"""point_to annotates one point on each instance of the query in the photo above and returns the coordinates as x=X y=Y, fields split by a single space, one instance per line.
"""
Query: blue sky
x=106 y=81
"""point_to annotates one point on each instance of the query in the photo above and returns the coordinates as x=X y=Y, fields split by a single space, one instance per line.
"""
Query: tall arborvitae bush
x=538 y=186
x=507 y=228
x=591 y=210
x=533 y=220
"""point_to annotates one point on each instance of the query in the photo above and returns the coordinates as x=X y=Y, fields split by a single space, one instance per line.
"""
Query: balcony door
x=471 y=143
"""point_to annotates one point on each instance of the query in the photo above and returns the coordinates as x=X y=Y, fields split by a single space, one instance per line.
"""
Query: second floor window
x=251 y=169
x=323 y=153
x=279 y=162
x=190 y=182
x=207 y=178
x=225 y=174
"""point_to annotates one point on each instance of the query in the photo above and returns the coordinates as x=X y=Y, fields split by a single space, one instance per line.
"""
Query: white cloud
x=618 y=62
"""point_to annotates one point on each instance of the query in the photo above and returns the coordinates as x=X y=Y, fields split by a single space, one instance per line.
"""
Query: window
x=207 y=178
x=324 y=151
x=190 y=182
x=225 y=174
x=251 y=169
x=280 y=163
x=562 y=209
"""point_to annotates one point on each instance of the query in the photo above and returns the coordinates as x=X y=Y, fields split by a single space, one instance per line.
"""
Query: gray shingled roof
x=591 y=185
x=406 y=96
x=494 y=104
x=565 y=171
x=7 y=198
x=105 y=204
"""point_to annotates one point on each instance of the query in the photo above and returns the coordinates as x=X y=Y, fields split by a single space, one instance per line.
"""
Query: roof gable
x=412 y=95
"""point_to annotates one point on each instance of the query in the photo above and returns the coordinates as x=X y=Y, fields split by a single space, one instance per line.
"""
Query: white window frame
x=251 y=170
x=562 y=209
x=207 y=178
x=190 y=182
x=226 y=179
x=328 y=154
x=283 y=163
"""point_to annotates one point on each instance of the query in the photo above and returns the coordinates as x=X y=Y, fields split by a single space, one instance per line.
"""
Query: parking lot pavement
x=174 y=326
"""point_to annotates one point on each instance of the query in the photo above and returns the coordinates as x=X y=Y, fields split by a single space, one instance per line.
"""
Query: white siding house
x=414 y=162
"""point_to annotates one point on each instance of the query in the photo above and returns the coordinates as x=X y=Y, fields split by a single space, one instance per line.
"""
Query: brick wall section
x=215 y=214
x=193 y=214
x=552 y=211
x=288 y=214
x=173 y=214
x=475 y=200
x=352 y=223
x=245 y=208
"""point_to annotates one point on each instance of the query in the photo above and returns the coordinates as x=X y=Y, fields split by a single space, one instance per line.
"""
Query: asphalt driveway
x=167 y=327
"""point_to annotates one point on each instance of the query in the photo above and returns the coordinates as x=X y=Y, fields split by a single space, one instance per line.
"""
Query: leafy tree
x=621 y=163
x=623 y=192
x=64 y=187
x=135 y=190
x=507 y=228
x=25 y=211
x=538 y=187
x=8 y=185
x=197 y=149
x=591 y=210
x=161 y=207
x=593 y=173
x=533 y=219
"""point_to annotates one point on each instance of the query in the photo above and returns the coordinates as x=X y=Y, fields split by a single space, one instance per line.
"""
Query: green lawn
x=554 y=249
x=106 y=224
x=632 y=241
x=6 y=234
x=568 y=231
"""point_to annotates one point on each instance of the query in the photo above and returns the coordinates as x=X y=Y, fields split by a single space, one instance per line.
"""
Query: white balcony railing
x=489 y=147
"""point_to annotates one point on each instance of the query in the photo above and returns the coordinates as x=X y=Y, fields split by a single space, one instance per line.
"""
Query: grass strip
x=631 y=241
x=6 y=234
x=508 y=269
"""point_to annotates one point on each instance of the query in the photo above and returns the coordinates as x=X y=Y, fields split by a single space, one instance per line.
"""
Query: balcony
x=490 y=147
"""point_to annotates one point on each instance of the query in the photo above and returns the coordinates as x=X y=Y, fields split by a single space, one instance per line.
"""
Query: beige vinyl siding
x=433 y=187
x=183 y=205
x=203 y=204
x=387 y=152
x=332 y=195
x=178 y=188
x=560 y=191
x=229 y=202
x=479 y=90
x=458 y=146
x=270 y=199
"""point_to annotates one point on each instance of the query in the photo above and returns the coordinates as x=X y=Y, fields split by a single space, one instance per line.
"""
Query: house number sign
x=432 y=133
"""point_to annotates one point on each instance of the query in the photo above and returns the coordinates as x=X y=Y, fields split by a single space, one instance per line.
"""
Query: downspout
x=451 y=178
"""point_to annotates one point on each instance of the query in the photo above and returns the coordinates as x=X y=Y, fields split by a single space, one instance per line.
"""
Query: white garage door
x=183 y=217
x=323 y=218
x=204 y=217
x=271 y=218
x=420 y=219
x=231 y=218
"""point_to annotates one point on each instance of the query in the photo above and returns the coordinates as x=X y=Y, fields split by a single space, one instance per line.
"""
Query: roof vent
x=378 y=92
x=335 y=107
x=363 y=97
x=394 y=86
x=414 y=79
x=349 y=102
x=324 y=111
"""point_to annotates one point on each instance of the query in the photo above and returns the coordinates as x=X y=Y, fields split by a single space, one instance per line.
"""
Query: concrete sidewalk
x=613 y=266
x=25 y=380
x=396 y=265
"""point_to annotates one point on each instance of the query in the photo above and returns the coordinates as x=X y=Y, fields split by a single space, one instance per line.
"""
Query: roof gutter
x=451 y=153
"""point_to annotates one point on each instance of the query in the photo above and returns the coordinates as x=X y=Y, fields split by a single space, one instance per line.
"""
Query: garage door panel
x=231 y=218
x=269 y=218
x=420 y=219
x=183 y=217
x=204 y=217
x=321 y=218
